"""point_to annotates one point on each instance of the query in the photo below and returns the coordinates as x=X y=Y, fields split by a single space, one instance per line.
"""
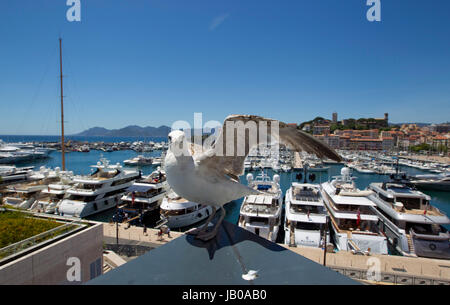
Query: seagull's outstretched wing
x=233 y=164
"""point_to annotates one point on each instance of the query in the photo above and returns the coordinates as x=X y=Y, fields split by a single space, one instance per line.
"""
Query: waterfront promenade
x=393 y=269
x=444 y=160
x=135 y=233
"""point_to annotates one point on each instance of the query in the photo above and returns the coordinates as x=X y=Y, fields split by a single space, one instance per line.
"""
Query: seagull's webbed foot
x=205 y=236
x=202 y=229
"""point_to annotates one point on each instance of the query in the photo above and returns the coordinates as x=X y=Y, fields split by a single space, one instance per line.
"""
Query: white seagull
x=210 y=177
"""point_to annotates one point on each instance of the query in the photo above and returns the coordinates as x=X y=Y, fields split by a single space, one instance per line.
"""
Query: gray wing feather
x=233 y=164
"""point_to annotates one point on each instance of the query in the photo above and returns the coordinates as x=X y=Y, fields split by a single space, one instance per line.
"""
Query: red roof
x=365 y=140
x=439 y=138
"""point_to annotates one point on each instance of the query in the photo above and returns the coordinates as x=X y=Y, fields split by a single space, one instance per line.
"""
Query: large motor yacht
x=305 y=216
x=436 y=182
x=354 y=222
x=98 y=192
x=177 y=212
x=24 y=195
x=12 y=174
x=52 y=196
x=261 y=214
x=139 y=160
x=414 y=227
x=146 y=194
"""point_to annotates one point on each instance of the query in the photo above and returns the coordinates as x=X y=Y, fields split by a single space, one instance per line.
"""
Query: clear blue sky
x=152 y=62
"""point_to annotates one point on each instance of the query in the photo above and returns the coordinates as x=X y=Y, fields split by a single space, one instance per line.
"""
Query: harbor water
x=80 y=163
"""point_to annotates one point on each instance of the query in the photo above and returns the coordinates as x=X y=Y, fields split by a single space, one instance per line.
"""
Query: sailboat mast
x=62 y=108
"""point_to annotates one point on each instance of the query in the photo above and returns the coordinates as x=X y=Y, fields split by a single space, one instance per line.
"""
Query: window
x=385 y=198
x=409 y=203
x=307 y=226
x=96 y=268
x=259 y=220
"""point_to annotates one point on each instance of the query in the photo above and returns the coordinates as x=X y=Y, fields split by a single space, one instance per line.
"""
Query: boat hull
x=185 y=220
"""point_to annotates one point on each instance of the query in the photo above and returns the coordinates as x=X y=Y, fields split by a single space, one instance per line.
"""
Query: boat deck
x=298 y=163
x=421 y=212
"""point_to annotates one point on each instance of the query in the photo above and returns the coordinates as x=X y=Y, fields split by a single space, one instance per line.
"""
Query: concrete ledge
x=113 y=259
x=393 y=269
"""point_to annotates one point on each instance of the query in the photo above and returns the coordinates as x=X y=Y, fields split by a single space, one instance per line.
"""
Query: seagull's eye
x=170 y=139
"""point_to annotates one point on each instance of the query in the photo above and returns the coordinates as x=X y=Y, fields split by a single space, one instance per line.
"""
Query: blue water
x=80 y=163
x=27 y=138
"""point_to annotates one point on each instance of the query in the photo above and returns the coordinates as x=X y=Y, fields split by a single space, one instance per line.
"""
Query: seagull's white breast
x=200 y=185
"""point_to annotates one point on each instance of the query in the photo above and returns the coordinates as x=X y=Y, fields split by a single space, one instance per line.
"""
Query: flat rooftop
x=23 y=232
x=221 y=261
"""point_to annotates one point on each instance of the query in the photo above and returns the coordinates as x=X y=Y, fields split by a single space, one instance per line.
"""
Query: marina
x=240 y=143
x=285 y=180
x=331 y=215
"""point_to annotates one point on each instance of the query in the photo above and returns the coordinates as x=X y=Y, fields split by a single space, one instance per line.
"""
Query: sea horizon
x=90 y=139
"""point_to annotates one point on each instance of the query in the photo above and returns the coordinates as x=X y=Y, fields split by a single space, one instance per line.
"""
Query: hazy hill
x=129 y=131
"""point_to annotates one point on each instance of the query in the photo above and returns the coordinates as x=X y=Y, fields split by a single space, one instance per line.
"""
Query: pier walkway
x=429 y=159
x=134 y=233
x=298 y=163
x=393 y=269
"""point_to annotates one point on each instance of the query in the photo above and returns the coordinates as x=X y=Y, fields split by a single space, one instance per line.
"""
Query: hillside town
x=378 y=134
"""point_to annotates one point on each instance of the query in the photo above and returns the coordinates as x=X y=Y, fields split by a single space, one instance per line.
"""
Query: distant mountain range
x=129 y=131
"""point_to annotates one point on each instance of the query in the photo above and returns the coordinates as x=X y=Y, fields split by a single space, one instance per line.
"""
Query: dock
x=393 y=269
x=136 y=234
x=298 y=163
x=428 y=159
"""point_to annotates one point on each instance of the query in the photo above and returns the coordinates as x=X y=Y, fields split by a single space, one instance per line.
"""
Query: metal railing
x=391 y=277
x=39 y=238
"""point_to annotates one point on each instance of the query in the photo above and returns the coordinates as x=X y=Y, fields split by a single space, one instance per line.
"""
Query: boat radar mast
x=62 y=108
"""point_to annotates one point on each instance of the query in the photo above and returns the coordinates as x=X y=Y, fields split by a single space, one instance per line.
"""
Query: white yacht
x=139 y=160
x=11 y=173
x=98 y=192
x=248 y=165
x=354 y=222
x=146 y=194
x=179 y=212
x=361 y=167
x=414 y=227
x=437 y=182
x=18 y=152
x=157 y=161
x=383 y=169
x=24 y=195
x=305 y=216
x=286 y=168
x=52 y=196
x=261 y=214
x=317 y=167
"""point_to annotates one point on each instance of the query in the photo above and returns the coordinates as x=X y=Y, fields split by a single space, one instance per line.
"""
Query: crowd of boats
x=387 y=217
x=12 y=153
x=21 y=152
